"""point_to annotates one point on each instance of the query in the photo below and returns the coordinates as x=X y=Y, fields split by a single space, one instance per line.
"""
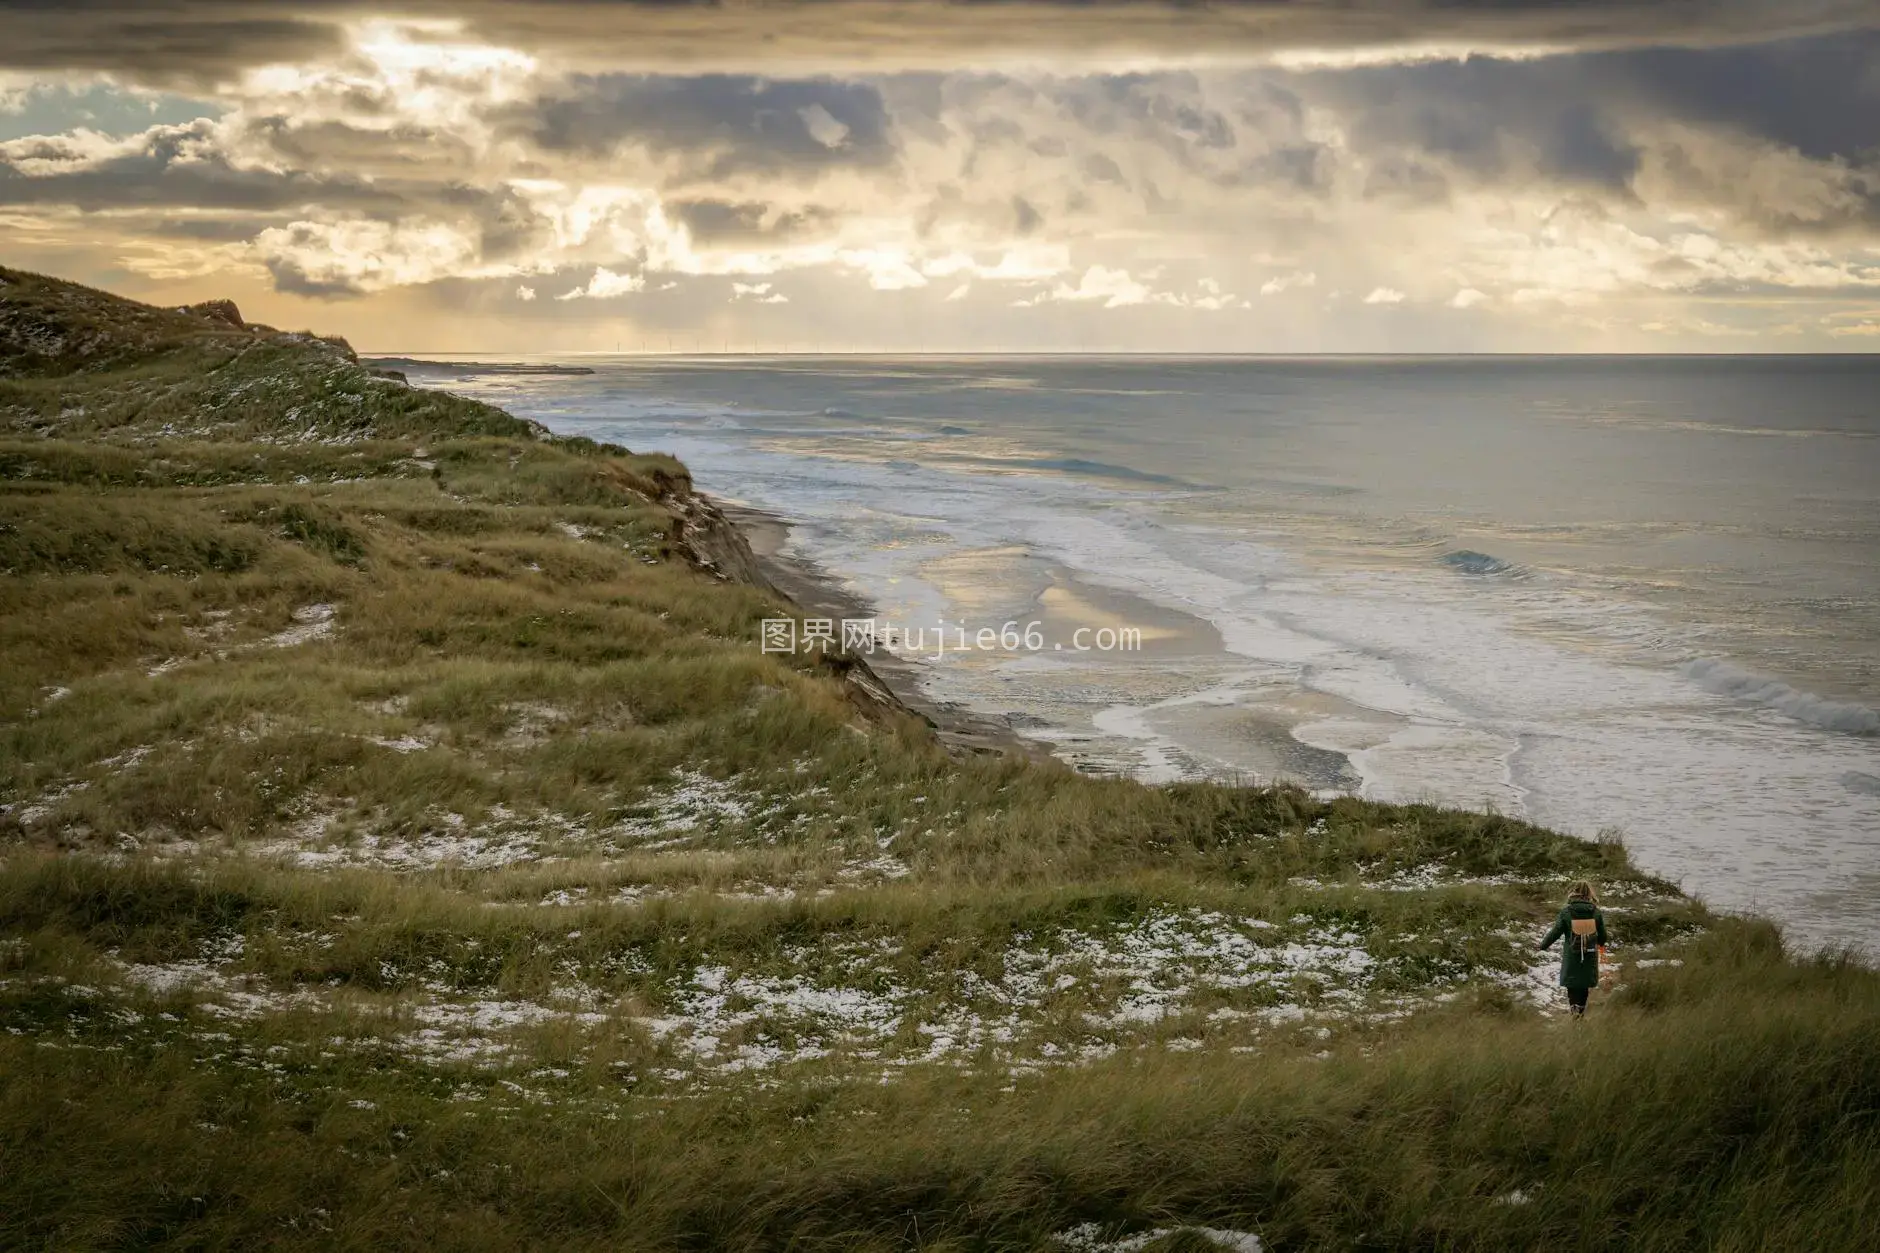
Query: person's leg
x=1576 y=997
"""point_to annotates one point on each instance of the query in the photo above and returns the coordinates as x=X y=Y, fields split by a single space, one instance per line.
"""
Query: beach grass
x=1698 y=1118
x=404 y=840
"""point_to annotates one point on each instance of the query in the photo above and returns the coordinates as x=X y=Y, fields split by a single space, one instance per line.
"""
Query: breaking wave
x=1725 y=679
x=1085 y=469
x=1858 y=781
x=1468 y=561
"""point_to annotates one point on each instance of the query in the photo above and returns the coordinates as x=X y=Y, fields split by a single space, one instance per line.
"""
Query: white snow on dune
x=1089 y=1238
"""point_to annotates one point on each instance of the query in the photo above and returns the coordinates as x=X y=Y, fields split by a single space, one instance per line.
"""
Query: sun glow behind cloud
x=1373 y=195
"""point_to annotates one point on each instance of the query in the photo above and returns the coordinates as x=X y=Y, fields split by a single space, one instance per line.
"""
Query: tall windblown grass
x=265 y=616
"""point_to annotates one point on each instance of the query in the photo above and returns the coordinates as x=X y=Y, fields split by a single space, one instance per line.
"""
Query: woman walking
x=1584 y=928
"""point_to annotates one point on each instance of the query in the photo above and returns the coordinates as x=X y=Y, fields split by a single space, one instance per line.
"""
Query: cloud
x=1112 y=288
x=351 y=257
x=1211 y=298
x=719 y=221
x=1117 y=289
x=1777 y=138
x=174 y=44
x=214 y=40
x=888 y=269
x=1587 y=179
x=1286 y=282
x=712 y=127
x=759 y=293
x=823 y=126
x=189 y=164
x=525 y=293
x=605 y=285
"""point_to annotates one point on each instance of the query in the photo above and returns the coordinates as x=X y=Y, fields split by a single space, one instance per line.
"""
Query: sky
x=988 y=175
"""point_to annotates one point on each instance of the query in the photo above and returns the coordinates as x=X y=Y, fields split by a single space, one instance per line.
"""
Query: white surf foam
x=1714 y=674
x=1541 y=698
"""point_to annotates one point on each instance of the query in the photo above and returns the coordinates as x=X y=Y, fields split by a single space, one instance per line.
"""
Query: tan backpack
x=1585 y=935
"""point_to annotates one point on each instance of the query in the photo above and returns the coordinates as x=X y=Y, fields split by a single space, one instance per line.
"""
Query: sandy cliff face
x=714 y=542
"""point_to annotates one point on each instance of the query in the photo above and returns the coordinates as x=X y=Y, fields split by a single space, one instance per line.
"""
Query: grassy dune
x=403 y=841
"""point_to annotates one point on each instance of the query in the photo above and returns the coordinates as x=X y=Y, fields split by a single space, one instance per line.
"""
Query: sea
x=1627 y=595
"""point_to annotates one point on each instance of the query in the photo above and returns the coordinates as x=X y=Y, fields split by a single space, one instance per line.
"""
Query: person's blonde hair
x=1582 y=891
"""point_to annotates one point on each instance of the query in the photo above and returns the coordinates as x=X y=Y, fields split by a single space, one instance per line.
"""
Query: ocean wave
x=1085 y=469
x=1718 y=676
x=1859 y=781
x=1468 y=561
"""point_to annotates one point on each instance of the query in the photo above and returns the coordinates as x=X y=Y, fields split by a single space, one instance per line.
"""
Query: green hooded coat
x=1577 y=971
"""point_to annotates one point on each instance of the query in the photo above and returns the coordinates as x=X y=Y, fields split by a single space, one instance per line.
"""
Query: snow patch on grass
x=448 y=843
x=715 y=1004
x=472 y=851
x=224 y=994
x=26 y=813
x=885 y=867
x=533 y=722
x=1106 y=984
x=1175 y=978
x=1090 y=1238
x=403 y=744
x=694 y=803
x=311 y=622
x=1423 y=878
x=1538 y=981
x=461 y=1031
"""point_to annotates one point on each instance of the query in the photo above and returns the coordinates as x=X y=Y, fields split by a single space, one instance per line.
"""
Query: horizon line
x=1098 y=352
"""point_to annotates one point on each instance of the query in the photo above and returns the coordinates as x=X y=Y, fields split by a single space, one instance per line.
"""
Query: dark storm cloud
x=1099 y=168
x=714 y=222
x=170 y=165
x=1025 y=218
x=213 y=230
x=171 y=41
x=1619 y=148
x=401 y=148
x=722 y=125
x=1156 y=105
x=723 y=32
x=1489 y=119
x=1819 y=96
x=1593 y=119
x=177 y=167
x=162 y=43
x=1246 y=132
x=1405 y=180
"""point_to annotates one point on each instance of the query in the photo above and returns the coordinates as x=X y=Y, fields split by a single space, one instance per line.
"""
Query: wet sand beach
x=819 y=594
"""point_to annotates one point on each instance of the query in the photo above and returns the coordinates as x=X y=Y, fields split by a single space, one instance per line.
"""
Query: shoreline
x=818 y=593
x=1267 y=733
